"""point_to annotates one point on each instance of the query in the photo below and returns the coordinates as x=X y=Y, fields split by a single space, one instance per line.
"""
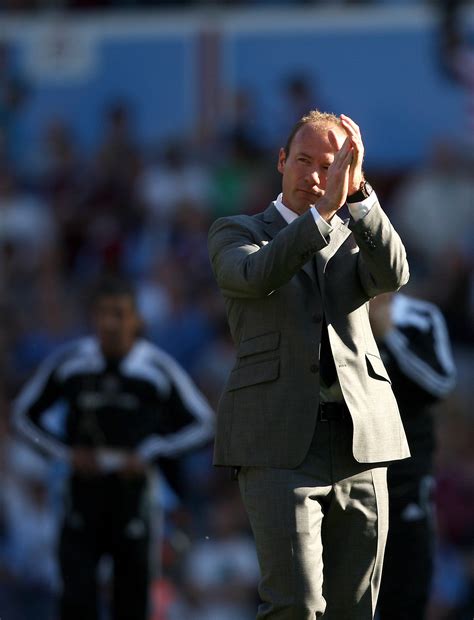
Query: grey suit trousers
x=320 y=531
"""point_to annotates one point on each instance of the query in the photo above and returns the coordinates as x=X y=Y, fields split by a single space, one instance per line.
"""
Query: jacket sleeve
x=383 y=264
x=42 y=392
x=246 y=266
x=420 y=348
x=189 y=420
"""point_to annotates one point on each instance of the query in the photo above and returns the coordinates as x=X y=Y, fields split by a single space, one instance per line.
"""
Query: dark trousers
x=408 y=563
x=112 y=522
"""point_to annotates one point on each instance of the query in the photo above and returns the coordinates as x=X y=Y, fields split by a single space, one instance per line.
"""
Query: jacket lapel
x=338 y=235
x=274 y=222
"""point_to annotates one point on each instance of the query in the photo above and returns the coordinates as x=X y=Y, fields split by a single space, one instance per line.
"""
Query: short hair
x=113 y=286
x=319 y=119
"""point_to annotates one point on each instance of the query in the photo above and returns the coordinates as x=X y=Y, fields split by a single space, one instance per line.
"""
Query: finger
x=345 y=148
x=358 y=148
x=358 y=151
x=355 y=137
x=343 y=158
x=348 y=123
x=333 y=140
x=356 y=142
x=341 y=153
x=348 y=159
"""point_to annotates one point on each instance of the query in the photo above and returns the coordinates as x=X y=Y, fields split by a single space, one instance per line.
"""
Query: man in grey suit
x=308 y=417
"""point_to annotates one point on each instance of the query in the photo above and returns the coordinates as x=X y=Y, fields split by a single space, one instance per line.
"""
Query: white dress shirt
x=358 y=210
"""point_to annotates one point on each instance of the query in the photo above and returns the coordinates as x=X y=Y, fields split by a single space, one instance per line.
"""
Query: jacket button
x=314 y=368
x=317 y=318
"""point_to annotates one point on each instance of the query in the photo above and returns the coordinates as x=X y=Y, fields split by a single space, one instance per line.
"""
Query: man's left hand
x=356 y=176
x=133 y=466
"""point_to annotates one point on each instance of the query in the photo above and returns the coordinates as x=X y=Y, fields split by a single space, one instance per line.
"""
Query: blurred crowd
x=67 y=216
x=29 y=5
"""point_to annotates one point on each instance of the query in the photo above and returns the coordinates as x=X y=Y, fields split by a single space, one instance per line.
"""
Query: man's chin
x=305 y=205
x=112 y=349
x=307 y=199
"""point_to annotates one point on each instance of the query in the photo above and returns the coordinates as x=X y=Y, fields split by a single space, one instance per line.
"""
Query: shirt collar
x=287 y=214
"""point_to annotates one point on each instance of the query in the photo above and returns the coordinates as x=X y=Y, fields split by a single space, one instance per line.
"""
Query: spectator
x=127 y=404
x=13 y=94
x=29 y=536
x=221 y=571
x=414 y=345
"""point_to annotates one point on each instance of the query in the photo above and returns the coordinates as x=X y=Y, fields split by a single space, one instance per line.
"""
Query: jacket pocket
x=375 y=367
x=253 y=374
x=259 y=344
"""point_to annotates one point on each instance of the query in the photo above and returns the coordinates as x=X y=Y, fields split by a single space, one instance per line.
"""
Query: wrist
x=325 y=209
x=364 y=191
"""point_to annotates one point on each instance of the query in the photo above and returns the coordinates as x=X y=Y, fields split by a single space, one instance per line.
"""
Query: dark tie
x=327 y=368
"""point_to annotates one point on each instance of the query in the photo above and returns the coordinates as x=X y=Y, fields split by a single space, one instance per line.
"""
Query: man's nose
x=313 y=178
x=109 y=324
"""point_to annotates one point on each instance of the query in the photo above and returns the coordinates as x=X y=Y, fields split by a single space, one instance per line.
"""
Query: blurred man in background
x=127 y=403
x=415 y=347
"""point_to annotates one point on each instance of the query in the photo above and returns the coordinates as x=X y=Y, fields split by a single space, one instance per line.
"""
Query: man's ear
x=281 y=160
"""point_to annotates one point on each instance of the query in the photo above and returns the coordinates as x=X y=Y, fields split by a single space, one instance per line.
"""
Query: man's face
x=305 y=169
x=117 y=323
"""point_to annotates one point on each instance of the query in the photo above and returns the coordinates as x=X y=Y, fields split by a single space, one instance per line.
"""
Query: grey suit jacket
x=267 y=412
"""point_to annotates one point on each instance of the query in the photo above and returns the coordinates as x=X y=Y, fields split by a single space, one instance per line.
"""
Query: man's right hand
x=337 y=184
x=84 y=461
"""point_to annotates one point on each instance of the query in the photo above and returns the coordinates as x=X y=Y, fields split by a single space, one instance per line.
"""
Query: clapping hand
x=337 y=185
x=356 y=176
